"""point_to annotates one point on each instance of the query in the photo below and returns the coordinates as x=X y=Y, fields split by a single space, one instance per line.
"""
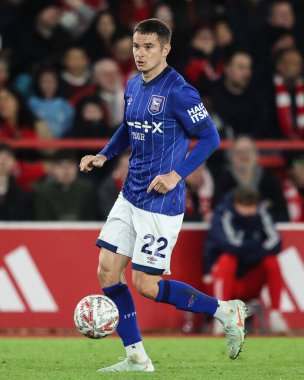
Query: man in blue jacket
x=241 y=252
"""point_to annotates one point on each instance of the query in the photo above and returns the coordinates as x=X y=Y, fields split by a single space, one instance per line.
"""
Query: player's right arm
x=118 y=143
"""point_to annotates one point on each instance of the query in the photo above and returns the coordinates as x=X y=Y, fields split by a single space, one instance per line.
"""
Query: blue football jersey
x=161 y=115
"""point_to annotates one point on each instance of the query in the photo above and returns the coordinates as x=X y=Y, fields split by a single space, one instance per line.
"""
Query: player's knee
x=145 y=290
x=105 y=273
x=145 y=286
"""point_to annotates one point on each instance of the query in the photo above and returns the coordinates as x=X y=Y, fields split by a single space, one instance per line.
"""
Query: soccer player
x=162 y=113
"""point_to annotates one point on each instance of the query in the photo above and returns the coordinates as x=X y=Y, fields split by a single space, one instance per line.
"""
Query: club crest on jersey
x=156 y=104
x=129 y=101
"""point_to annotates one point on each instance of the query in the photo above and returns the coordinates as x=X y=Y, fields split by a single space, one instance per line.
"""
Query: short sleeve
x=189 y=109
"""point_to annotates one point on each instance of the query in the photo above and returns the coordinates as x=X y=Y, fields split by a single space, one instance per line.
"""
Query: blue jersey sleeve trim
x=143 y=268
x=198 y=128
x=103 y=244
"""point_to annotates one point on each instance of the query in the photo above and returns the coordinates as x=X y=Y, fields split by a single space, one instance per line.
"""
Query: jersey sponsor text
x=197 y=113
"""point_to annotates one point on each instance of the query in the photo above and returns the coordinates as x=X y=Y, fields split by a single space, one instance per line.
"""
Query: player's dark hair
x=153 y=25
x=245 y=196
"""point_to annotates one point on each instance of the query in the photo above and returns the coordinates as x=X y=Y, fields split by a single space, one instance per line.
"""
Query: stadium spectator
x=132 y=11
x=76 y=16
x=10 y=23
x=15 y=203
x=108 y=87
x=16 y=120
x=280 y=20
x=234 y=97
x=97 y=41
x=121 y=52
x=240 y=252
x=282 y=98
x=204 y=65
x=293 y=186
x=247 y=18
x=199 y=193
x=243 y=169
x=4 y=72
x=111 y=186
x=76 y=74
x=48 y=105
x=64 y=195
x=224 y=37
x=43 y=42
x=164 y=12
x=89 y=121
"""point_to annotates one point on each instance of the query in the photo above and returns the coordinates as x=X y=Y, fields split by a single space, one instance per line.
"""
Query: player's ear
x=166 y=50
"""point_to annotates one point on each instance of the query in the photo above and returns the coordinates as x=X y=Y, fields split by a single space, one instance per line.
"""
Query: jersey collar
x=157 y=78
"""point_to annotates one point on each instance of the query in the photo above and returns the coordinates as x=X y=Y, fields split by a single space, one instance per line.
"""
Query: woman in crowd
x=16 y=120
x=48 y=105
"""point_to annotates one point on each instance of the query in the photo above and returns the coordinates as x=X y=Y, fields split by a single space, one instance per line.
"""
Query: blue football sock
x=127 y=327
x=184 y=297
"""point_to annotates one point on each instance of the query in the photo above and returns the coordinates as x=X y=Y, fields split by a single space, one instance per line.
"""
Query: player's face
x=148 y=53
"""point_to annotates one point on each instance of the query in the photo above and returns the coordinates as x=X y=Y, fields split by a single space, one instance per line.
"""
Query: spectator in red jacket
x=204 y=64
x=240 y=252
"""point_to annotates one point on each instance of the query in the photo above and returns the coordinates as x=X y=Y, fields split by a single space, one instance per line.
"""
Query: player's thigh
x=118 y=234
x=156 y=235
x=111 y=267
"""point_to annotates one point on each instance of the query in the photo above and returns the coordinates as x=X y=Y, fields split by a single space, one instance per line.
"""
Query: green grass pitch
x=174 y=358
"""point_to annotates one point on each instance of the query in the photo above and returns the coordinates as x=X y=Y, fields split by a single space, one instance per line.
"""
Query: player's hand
x=87 y=163
x=164 y=182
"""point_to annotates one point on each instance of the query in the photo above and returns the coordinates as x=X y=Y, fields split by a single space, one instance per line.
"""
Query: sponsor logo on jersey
x=152 y=260
x=197 y=113
x=144 y=127
x=130 y=315
x=156 y=104
x=129 y=101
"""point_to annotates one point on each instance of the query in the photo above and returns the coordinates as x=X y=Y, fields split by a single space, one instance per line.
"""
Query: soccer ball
x=96 y=316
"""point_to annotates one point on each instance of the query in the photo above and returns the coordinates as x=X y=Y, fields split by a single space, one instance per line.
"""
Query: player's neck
x=150 y=75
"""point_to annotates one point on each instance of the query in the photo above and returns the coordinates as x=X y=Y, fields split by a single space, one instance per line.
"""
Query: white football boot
x=234 y=326
x=129 y=365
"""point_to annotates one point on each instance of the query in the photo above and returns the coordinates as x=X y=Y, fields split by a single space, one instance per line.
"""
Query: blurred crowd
x=63 y=68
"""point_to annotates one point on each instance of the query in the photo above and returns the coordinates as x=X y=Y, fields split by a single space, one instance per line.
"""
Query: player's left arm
x=208 y=142
x=192 y=115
